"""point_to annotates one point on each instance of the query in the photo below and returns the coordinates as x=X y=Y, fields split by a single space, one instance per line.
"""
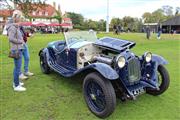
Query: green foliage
x=90 y=24
x=154 y=17
x=177 y=11
x=116 y=21
x=77 y=19
x=101 y=25
x=126 y=22
x=168 y=10
x=147 y=16
x=58 y=16
x=53 y=97
x=160 y=14
x=137 y=25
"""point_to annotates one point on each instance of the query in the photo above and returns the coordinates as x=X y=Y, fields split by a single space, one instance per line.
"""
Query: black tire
x=43 y=64
x=164 y=83
x=104 y=95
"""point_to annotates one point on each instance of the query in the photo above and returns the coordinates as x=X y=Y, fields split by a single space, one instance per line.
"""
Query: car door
x=67 y=58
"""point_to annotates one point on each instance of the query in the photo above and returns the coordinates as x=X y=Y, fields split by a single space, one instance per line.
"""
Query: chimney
x=15 y=4
x=54 y=5
x=59 y=8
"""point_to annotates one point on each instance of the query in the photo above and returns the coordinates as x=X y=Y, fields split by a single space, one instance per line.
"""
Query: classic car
x=110 y=68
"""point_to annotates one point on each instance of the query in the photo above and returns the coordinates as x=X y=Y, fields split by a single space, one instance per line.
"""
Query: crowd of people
x=117 y=29
x=148 y=32
x=46 y=29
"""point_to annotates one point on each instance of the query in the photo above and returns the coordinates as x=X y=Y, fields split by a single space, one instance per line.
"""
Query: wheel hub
x=93 y=97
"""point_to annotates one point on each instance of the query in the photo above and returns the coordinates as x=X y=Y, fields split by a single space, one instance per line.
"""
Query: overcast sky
x=97 y=9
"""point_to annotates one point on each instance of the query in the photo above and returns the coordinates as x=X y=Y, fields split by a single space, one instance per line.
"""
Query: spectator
x=62 y=30
x=115 y=29
x=159 y=32
x=148 y=32
x=25 y=53
x=16 y=40
x=119 y=29
x=172 y=32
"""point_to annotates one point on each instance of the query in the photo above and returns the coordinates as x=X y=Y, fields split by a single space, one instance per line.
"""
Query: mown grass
x=53 y=97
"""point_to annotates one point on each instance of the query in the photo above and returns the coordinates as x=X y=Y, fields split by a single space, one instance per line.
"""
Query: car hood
x=114 y=44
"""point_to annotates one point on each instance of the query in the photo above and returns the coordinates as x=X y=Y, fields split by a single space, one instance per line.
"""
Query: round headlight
x=121 y=61
x=148 y=56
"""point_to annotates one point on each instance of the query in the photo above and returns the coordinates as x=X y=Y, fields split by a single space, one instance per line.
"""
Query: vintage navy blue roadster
x=111 y=70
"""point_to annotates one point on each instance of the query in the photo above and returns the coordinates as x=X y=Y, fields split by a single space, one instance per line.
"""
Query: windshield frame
x=73 y=37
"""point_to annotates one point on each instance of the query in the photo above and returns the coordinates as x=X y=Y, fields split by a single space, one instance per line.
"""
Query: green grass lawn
x=53 y=97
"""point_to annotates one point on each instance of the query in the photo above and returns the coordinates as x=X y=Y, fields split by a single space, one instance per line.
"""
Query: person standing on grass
x=159 y=32
x=25 y=53
x=16 y=44
x=148 y=32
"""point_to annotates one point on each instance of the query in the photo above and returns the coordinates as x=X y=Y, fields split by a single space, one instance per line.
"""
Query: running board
x=61 y=70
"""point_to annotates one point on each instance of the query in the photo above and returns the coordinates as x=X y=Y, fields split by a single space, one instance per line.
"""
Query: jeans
x=25 y=53
x=159 y=34
x=17 y=68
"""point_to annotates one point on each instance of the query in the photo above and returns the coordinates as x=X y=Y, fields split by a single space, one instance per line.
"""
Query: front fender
x=104 y=69
x=159 y=60
x=156 y=60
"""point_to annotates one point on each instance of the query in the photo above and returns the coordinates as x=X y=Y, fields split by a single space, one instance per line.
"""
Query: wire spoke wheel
x=99 y=95
x=43 y=64
x=163 y=81
x=95 y=95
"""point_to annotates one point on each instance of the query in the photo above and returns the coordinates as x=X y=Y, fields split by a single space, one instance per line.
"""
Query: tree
x=90 y=24
x=77 y=19
x=137 y=25
x=177 y=11
x=168 y=10
x=147 y=16
x=158 y=16
x=58 y=16
x=128 y=22
x=101 y=24
x=116 y=21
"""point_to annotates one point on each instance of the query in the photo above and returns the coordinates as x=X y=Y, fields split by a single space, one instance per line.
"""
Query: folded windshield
x=76 y=36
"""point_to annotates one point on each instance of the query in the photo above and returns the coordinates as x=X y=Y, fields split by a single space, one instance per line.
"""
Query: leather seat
x=59 y=46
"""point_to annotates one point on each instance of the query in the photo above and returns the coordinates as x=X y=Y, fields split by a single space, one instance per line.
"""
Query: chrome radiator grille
x=134 y=72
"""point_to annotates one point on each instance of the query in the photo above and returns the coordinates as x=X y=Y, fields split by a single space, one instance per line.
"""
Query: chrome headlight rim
x=121 y=61
x=148 y=56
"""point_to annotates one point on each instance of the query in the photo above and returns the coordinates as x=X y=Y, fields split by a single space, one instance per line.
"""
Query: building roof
x=66 y=18
x=41 y=12
x=46 y=11
x=6 y=13
x=172 y=21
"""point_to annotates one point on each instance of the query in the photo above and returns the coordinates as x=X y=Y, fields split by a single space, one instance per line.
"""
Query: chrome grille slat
x=134 y=72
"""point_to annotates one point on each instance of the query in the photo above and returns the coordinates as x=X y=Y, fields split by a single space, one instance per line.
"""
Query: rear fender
x=44 y=51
